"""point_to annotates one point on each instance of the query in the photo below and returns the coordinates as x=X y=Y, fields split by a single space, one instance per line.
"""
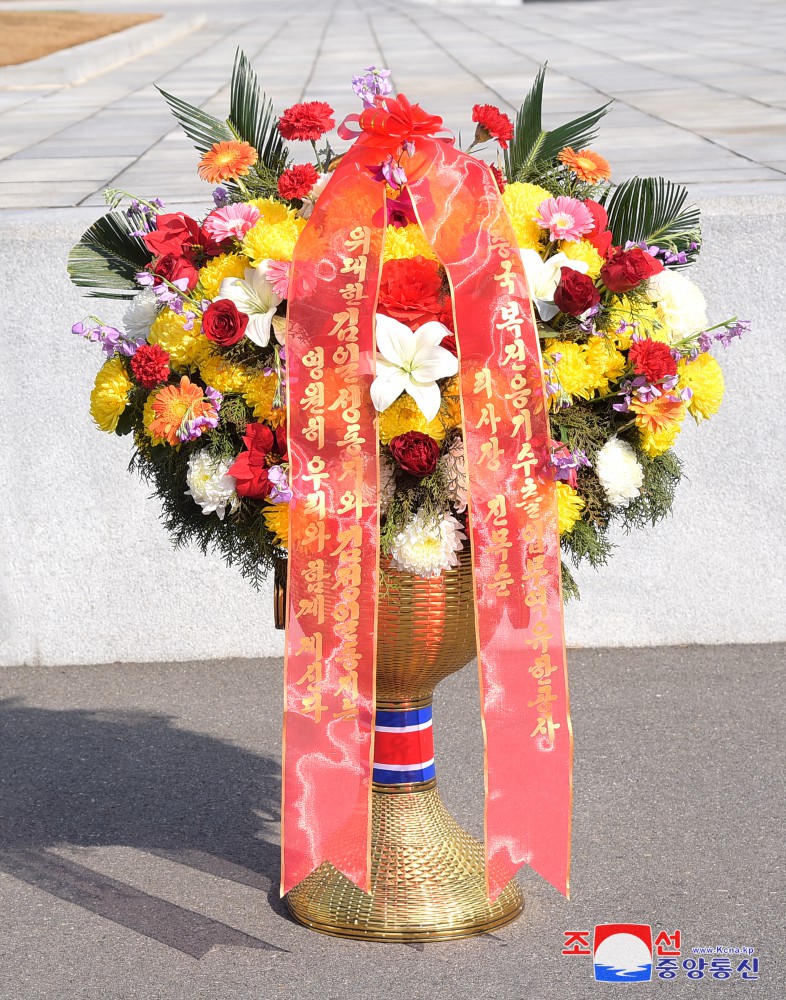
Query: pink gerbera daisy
x=234 y=221
x=565 y=218
x=277 y=273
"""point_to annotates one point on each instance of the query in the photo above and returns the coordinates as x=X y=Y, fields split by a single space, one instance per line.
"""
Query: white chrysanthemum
x=210 y=484
x=141 y=314
x=387 y=483
x=680 y=304
x=455 y=472
x=427 y=547
x=619 y=472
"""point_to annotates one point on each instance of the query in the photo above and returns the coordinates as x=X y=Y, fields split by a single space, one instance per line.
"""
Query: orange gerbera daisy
x=225 y=160
x=182 y=412
x=586 y=165
x=658 y=414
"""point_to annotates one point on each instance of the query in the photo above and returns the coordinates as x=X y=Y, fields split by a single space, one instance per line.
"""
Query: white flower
x=619 y=472
x=141 y=314
x=543 y=277
x=253 y=295
x=455 y=471
x=681 y=306
x=210 y=484
x=411 y=362
x=309 y=201
x=427 y=547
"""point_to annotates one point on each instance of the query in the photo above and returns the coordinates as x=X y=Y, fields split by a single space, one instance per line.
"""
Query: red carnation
x=223 y=323
x=499 y=177
x=627 y=268
x=174 y=268
x=449 y=343
x=415 y=453
x=492 y=124
x=306 y=122
x=175 y=234
x=652 y=359
x=251 y=468
x=411 y=291
x=599 y=236
x=150 y=365
x=575 y=293
x=297 y=182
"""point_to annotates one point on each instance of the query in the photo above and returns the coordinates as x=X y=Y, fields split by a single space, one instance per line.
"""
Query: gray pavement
x=139 y=832
x=699 y=89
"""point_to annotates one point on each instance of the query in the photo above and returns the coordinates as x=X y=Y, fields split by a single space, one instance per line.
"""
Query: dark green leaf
x=201 y=128
x=534 y=149
x=652 y=209
x=107 y=257
x=252 y=116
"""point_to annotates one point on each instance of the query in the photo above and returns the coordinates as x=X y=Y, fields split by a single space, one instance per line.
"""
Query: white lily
x=411 y=361
x=543 y=277
x=253 y=295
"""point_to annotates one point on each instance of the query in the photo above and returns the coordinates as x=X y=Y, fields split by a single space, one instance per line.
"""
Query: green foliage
x=533 y=150
x=585 y=541
x=570 y=589
x=652 y=210
x=661 y=477
x=202 y=129
x=430 y=494
x=107 y=256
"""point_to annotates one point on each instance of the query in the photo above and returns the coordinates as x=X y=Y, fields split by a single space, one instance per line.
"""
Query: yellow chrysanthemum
x=406 y=242
x=623 y=309
x=569 y=507
x=227 y=265
x=404 y=415
x=259 y=392
x=109 y=397
x=274 y=236
x=522 y=202
x=185 y=348
x=585 y=251
x=276 y=517
x=572 y=371
x=704 y=377
x=223 y=374
x=451 y=403
x=656 y=442
x=605 y=361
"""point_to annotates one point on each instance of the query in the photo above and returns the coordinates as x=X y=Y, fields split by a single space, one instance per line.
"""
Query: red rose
x=150 y=365
x=411 y=291
x=306 y=122
x=173 y=268
x=575 y=293
x=652 y=359
x=175 y=234
x=223 y=323
x=492 y=124
x=499 y=177
x=415 y=453
x=598 y=236
x=627 y=268
x=297 y=182
x=251 y=467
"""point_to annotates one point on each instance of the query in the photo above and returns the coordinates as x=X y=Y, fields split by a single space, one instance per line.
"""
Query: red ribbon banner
x=334 y=526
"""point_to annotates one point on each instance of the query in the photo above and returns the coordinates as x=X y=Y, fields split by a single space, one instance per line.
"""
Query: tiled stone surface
x=699 y=90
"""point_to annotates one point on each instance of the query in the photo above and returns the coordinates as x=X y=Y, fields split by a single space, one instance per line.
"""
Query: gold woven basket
x=427 y=874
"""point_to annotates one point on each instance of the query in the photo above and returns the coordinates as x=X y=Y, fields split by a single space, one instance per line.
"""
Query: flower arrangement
x=196 y=373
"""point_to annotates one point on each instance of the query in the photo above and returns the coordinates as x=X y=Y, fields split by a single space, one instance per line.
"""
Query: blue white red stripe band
x=403 y=746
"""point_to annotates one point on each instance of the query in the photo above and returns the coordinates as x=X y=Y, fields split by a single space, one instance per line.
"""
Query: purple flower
x=729 y=333
x=391 y=172
x=567 y=463
x=374 y=83
x=220 y=197
x=112 y=340
x=281 y=492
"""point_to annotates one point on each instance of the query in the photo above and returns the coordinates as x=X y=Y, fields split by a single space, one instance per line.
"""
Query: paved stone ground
x=699 y=89
x=139 y=833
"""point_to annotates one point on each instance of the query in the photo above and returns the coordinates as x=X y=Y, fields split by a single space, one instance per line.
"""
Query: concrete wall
x=88 y=574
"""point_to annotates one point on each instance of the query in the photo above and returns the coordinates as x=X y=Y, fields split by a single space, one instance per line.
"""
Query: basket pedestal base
x=427 y=879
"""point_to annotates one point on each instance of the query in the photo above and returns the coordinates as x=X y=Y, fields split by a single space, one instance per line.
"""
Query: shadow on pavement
x=101 y=778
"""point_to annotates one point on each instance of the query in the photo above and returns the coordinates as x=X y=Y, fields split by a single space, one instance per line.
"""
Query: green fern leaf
x=107 y=256
x=201 y=128
x=252 y=116
x=534 y=149
x=652 y=210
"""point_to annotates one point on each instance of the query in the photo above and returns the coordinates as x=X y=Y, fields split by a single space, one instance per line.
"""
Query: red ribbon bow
x=388 y=127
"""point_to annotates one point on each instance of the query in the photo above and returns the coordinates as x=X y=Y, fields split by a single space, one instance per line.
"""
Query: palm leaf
x=533 y=148
x=201 y=128
x=652 y=210
x=107 y=256
x=252 y=116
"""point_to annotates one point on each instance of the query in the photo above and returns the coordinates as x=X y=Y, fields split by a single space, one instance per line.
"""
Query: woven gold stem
x=428 y=879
